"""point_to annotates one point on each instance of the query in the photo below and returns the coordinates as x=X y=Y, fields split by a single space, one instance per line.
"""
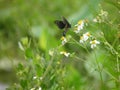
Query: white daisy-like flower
x=35 y=77
x=51 y=52
x=65 y=53
x=32 y=89
x=41 y=78
x=81 y=39
x=94 y=43
x=85 y=37
x=39 y=88
x=79 y=26
x=95 y=20
x=64 y=40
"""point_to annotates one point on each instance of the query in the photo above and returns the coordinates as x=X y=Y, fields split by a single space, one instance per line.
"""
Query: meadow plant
x=97 y=39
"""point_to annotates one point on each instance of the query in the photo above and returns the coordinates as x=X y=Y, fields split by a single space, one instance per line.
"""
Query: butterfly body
x=60 y=24
x=63 y=24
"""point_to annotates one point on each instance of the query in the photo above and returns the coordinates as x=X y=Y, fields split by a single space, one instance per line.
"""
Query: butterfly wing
x=67 y=24
x=63 y=25
x=60 y=24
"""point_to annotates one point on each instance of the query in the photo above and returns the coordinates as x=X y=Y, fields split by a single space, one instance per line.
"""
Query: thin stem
x=81 y=59
x=48 y=67
x=115 y=52
x=99 y=69
x=118 y=70
x=118 y=65
x=110 y=74
x=85 y=46
x=111 y=47
x=77 y=43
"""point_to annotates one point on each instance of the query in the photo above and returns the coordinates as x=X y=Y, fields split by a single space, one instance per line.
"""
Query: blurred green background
x=35 y=18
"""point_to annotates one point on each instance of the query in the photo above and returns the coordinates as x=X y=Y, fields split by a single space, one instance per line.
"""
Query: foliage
x=87 y=58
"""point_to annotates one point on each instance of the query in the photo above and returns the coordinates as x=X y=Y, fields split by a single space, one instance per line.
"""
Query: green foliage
x=89 y=59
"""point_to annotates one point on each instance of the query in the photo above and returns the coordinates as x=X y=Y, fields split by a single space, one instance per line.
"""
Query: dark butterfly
x=63 y=24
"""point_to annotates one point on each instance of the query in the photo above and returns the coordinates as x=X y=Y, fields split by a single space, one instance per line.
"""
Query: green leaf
x=23 y=84
x=29 y=53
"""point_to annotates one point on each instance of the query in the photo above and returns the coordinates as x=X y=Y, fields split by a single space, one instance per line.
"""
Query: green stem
x=98 y=66
x=118 y=70
x=48 y=67
x=77 y=43
x=111 y=47
x=85 y=46
x=118 y=65
x=115 y=52
x=81 y=59
x=110 y=75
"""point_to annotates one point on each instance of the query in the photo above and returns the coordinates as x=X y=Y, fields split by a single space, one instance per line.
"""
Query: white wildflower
x=95 y=20
x=64 y=40
x=41 y=78
x=51 y=52
x=85 y=37
x=94 y=43
x=81 y=39
x=65 y=53
x=32 y=89
x=39 y=88
x=79 y=26
x=35 y=77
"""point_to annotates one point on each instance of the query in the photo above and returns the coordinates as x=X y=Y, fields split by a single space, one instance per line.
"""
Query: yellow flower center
x=94 y=42
x=63 y=52
x=88 y=34
x=62 y=38
x=80 y=22
x=81 y=37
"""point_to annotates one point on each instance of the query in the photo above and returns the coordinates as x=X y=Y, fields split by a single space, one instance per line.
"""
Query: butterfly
x=63 y=24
